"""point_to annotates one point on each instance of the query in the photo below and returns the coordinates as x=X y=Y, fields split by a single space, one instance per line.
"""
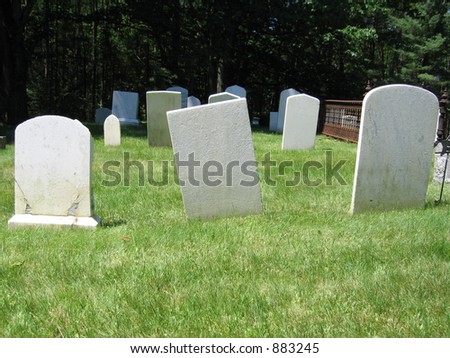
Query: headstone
x=125 y=107
x=222 y=178
x=184 y=94
x=300 y=125
x=237 y=91
x=158 y=103
x=101 y=114
x=111 y=129
x=222 y=96
x=273 y=121
x=282 y=107
x=193 y=102
x=395 y=148
x=53 y=158
x=440 y=160
x=2 y=142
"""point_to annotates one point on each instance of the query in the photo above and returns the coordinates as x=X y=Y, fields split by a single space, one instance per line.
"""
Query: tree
x=14 y=15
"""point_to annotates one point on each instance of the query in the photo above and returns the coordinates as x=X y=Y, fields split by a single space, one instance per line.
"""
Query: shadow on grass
x=112 y=223
x=126 y=131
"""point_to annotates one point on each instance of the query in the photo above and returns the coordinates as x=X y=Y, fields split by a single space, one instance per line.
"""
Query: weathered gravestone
x=273 y=121
x=125 y=107
x=193 y=101
x=395 y=148
x=158 y=103
x=237 y=91
x=111 y=129
x=101 y=114
x=282 y=107
x=53 y=158
x=222 y=96
x=300 y=124
x=215 y=160
x=2 y=142
x=184 y=94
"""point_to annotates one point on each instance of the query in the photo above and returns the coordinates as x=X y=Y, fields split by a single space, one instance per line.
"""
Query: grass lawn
x=305 y=268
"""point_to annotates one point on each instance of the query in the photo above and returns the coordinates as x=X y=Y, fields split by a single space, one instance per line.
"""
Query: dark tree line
x=66 y=57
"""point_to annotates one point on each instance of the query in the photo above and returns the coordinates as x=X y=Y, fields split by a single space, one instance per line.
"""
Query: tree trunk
x=13 y=80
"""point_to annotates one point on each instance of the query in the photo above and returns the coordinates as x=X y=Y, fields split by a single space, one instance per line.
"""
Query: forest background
x=67 y=57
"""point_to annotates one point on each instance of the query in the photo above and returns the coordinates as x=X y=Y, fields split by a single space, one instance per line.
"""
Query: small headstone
x=2 y=142
x=111 y=129
x=158 y=103
x=222 y=179
x=300 y=125
x=273 y=121
x=184 y=94
x=101 y=114
x=125 y=107
x=222 y=96
x=282 y=107
x=53 y=158
x=237 y=91
x=395 y=148
x=440 y=160
x=193 y=101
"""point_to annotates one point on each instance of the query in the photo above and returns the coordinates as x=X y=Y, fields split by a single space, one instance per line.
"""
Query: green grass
x=305 y=268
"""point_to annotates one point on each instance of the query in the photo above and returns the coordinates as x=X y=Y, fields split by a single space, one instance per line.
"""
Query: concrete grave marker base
x=217 y=137
x=395 y=148
x=28 y=220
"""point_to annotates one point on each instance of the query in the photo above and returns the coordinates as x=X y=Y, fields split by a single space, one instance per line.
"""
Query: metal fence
x=341 y=119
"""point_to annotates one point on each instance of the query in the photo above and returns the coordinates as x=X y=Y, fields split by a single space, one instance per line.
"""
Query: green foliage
x=80 y=52
x=305 y=268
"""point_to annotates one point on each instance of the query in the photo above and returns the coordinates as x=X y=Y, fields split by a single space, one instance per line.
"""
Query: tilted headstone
x=125 y=107
x=101 y=114
x=215 y=160
x=273 y=121
x=222 y=96
x=282 y=107
x=395 y=148
x=158 y=103
x=111 y=129
x=2 y=142
x=237 y=91
x=184 y=94
x=300 y=124
x=53 y=180
x=193 y=101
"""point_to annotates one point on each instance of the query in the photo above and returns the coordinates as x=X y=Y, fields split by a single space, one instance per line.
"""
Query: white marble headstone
x=101 y=114
x=111 y=129
x=222 y=96
x=217 y=138
x=282 y=107
x=273 y=121
x=158 y=103
x=53 y=157
x=237 y=90
x=300 y=124
x=395 y=148
x=193 y=101
x=125 y=107
x=184 y=94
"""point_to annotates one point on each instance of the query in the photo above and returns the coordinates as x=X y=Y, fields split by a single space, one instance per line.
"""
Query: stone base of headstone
x=2 y=142
x=23 y=220
x=129 y=122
